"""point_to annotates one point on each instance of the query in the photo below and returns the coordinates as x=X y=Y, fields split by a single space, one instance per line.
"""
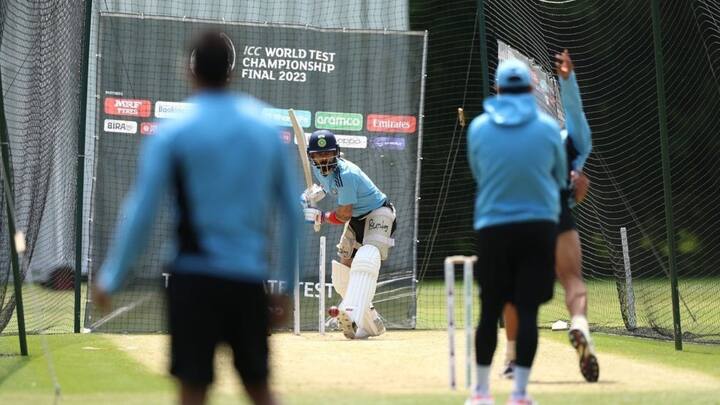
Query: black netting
x=41 y=55
x=365 y=85
x=611 y=43
x=612 y=46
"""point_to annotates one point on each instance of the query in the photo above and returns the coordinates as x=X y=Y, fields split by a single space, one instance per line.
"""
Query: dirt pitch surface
x=417 y=362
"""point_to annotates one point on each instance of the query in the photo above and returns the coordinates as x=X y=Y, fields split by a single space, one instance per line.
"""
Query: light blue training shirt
x=350 y=185
x=577 y=132
x=230 y=172
x=517 y=158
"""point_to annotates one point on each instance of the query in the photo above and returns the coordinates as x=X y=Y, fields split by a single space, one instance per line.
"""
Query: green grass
x=47 y=309
x=85 y=365
x=697 y=357
x=699 y=310
x=91 y=370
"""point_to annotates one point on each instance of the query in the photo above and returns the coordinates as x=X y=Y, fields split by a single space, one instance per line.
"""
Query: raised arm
x=575 y=120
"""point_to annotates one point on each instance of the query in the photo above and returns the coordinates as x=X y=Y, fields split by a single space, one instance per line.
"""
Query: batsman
x=368 y=219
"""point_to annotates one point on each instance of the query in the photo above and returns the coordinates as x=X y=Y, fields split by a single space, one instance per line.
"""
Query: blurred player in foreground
x=518 y=162
x=228 y=168
x=369 y=221
x=568 y=254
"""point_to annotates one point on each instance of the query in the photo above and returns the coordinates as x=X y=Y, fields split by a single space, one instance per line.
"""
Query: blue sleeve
x=138 y=212
x=575 y=121
x=560 y=170
x=286 y=190
x=347 y=194
x=471 y=158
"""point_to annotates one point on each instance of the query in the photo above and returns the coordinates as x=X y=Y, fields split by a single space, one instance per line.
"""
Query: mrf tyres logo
x=391 y=123
x=121 y=127
x=127 y=107
x=338 y=121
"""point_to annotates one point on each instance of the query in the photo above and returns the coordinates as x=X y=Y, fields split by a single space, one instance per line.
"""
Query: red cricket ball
x=333 y=311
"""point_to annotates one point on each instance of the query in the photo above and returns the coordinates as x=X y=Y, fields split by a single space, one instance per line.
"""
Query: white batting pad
x=340 y=277
x=373 y=323
x=363 y=281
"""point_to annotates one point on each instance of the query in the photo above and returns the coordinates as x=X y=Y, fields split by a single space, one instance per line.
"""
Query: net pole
x=9 y=206
x=665 y=154
x=296 y=296
x=80 y=175
x=468 y=301
x=321 y=284
x=450 y=295
x=629 y=292
x=483 y=49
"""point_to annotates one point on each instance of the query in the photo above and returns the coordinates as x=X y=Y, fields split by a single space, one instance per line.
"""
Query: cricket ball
x=333 y=311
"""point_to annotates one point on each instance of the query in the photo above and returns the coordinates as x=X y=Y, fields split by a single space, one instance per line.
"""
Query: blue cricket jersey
x=350 y=185
x=518 y=161
x=229 y=170
x=578 y=142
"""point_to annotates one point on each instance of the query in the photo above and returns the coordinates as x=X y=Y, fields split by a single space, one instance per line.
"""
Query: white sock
x=580 y=322
x=510 y=351
x=483 y=380
x=522 y=376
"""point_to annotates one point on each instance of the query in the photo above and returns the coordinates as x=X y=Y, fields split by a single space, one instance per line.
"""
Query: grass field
x=399 y=368
x=117 y=369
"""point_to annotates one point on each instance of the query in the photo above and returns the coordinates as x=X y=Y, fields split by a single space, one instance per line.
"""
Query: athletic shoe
x=378 y=321
x=480 y=399
x=580 y=339
x=348 y=327
x=332 y=323
x=509 y=372
x=521 y=400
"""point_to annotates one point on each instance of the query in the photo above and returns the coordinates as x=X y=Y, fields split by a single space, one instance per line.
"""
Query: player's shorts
x=516 y=263
x=205 y=311
x=378 y=224
x=566 y=222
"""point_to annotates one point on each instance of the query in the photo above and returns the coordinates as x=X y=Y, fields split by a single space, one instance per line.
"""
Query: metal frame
x=10 y=209
x=468 y=263
x=265 y=24
x=416 y=219
x=80 y=182
x=667 y=182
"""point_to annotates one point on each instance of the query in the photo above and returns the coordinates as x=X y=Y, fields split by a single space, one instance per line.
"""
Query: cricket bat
x=301 y=145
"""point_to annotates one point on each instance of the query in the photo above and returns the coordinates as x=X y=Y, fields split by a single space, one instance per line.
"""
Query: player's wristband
x=331 y=218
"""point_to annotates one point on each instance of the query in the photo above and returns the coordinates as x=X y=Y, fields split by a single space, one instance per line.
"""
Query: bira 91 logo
x=338 y=121
x=391 y=123
x=128 y=107
x=121 y=127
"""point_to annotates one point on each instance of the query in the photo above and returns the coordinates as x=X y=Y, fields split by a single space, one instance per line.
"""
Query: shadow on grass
x=10 y=364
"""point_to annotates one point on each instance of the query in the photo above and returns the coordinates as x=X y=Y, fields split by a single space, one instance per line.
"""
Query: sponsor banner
x=338 y=121
x=388 y=142
x=171 y=109
x=280 y=117
x=352 y=141
x=391 y=123
x=122 y=127
x=127 y=107
x=148 y=128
